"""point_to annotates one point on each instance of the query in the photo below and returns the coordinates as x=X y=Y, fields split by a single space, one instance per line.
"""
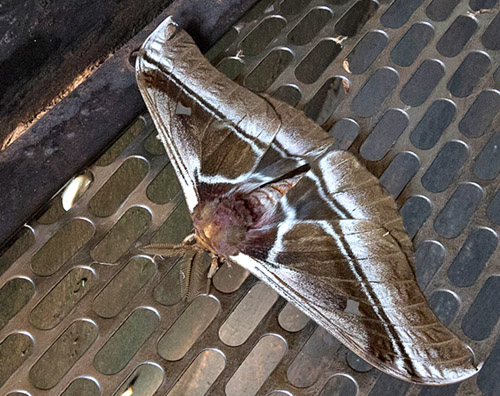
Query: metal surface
x=412 y=96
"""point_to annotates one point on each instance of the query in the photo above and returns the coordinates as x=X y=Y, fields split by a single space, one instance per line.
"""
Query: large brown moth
x=265 y=192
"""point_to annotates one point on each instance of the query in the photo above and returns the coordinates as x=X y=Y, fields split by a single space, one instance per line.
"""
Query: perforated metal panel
x=408 y=86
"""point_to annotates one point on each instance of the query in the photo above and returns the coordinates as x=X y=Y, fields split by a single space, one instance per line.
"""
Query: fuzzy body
x=222 y=225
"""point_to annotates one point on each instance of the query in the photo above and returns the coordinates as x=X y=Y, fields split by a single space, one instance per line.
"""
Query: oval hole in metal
x=82 y=386
x=188 y=327
x=309 y=26
x=268 y=70
x=122 y=236
x=229 y=278
x=61 y=300
x=61 y=247
x=164 y=186
x=14 y=350
x=262 y=35
x=144 y=381
x=231 y=67
x=118 y=187
x=14 y=295
x=123 y=287
x=317 y=61
x=126 y=341
x=200 y=375
x=355 y=18
x=63 y=354
x=247 y=315
x=257 y=366
x=292 y=319
x=313 y=358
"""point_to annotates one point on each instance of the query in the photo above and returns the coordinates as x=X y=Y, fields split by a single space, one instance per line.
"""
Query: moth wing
x=219 y=136
x=339 y=252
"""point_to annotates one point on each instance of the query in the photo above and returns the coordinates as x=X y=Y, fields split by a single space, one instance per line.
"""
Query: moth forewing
x=316 y=226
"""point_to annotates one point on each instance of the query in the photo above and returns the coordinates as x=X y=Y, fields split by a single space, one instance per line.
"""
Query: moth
x=265 y=191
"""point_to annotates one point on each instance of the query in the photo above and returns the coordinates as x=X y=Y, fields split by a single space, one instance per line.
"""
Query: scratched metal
x=410 y=87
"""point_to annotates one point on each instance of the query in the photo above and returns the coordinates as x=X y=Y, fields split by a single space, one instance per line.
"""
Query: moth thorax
x=221 y=224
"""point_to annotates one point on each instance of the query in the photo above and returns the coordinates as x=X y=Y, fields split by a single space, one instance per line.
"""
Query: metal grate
x=408 y=86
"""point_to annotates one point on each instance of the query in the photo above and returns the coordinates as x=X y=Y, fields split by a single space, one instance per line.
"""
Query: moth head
x=220 y=225
x=209 y=230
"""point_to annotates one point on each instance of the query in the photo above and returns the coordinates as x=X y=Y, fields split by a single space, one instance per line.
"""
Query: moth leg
x=189 y=240
x=191 y=273
x=185 y=268
x=214 y=266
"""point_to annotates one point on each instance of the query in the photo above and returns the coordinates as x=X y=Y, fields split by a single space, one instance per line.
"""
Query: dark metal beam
x=46 y=38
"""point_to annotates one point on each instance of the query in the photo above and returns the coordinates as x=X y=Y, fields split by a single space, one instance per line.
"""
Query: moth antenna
x=169 y=249
x=165 y=249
